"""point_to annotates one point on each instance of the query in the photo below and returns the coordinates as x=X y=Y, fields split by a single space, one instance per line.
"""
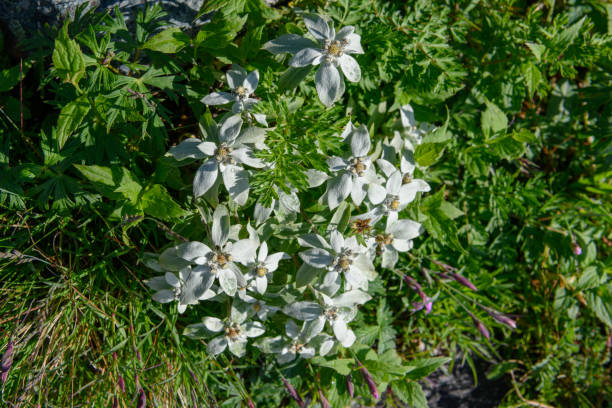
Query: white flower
x=300 y=342
x=337 y=311
x=413 y=132
x=264 y=266
x=235 y=332
x=397 y=237
x=343 y=256
x=353 y=175
x=186 y=288
x=226 y=154
x=407 y=173
x=257 y=307
x=391 y=199
x=242 y=86
x=329 y=50
x=220 y=262
x=286 y=204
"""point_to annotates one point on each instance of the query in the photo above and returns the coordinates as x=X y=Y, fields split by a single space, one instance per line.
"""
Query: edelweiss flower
x=353 y=175
x=300 y=342
x=389 y=200
x=337 y=311
x=286 y=204
x=330 y=50
x=343 y=256
x=257 y=307
x=242 y=86
x=227 y=153
x=220 y=261
x=397 y=237
x=407 y=172
x=186 y=288
x=264 y=266
x=235 y=332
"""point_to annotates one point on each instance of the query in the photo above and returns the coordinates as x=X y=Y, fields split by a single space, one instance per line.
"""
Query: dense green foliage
x=520 y=204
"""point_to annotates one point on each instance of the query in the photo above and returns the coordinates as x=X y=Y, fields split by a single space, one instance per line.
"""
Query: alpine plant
x=236 y=265
x=327 y=50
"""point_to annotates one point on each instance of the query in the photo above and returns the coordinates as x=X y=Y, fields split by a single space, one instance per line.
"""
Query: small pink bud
x=250 y=403
x=324 y=401
x=121 y=383
x=502 y=319
x=7 y=362
x=294 y=394
x=349 y=386
x=482 y=329
x=464 y=281
x=367 y=377
x=576 y=249
x=428 y=307
x=142 y=399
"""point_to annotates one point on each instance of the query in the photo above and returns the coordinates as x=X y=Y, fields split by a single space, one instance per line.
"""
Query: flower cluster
x=234 y=265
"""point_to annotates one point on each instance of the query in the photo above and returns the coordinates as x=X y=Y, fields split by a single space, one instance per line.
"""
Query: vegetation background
x=523 y=209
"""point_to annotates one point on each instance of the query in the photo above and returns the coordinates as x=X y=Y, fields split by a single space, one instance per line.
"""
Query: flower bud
x=576 y=249
x=349 y=386
x=324 y=402
x=482 y=328
x=294 y=394
x=7 y=362
x=502 y=319
x=250 y=404
x=142 y=399
x=121 y=383
x=367 y=377
x=464 y=281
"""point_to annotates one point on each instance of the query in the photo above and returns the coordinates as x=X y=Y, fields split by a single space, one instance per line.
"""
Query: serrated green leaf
x=169 y=41
x=68 y=58
x=536 y=49
x=532 y=76
x=70 y=118
x=507 y=147
x=341 y=365
x=427 y=154
x=410 y=393
x=157 y=202
x=423 y=367
x=493 y=120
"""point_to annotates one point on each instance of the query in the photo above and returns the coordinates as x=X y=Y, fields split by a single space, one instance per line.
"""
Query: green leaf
x=493 y=120
x=601 y=308
x=10 y=77
x=569 y=35
x=70 y=118
x=341 y=365
x=222 y=29
x=532 y=76
x=536 y=49
x=157 y=202
x=525 y=136
x=507 y=147
x=438 y=224
x=168 y=41
x=427 y=154
x=340 y=218
x=450 y=210
x=410 y=393
x=68 y=58
x=425 y=366
x=116 y=183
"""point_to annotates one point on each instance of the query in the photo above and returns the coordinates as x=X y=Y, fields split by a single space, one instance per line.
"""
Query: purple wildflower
x=7 y=361
x=324 y=401
x=502 y=319
x=142 y=399
x=464 y=281
x=482 y=328
x=121 y=383
x=349 y=386
x=294 y=394
x=367 y=377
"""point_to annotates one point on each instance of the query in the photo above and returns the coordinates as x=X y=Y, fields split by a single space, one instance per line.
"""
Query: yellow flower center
x=261 y=271
x=406 y=179
x=335 y=49
x=256 y=307
x=394 y=205
x=241 y=90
